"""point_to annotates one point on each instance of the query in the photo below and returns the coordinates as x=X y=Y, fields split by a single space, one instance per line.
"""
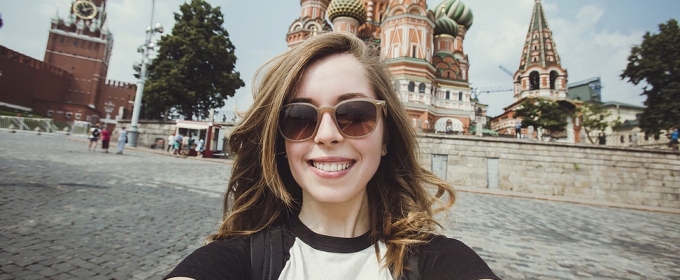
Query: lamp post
x=144 y=49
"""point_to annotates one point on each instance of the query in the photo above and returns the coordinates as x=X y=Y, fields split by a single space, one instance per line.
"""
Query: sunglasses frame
x=379 y=105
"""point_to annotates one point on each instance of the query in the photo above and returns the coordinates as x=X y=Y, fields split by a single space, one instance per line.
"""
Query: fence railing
x=44 y=125
x=631 y=140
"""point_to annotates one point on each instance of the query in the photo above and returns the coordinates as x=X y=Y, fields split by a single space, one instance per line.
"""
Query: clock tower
x=81 y=44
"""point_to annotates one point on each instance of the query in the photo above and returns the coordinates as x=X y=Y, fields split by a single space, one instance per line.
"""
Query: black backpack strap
x=266 y=254
x=411 y=269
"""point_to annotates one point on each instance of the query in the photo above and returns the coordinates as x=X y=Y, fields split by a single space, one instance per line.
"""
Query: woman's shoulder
x=444 y=256
x=222 y=259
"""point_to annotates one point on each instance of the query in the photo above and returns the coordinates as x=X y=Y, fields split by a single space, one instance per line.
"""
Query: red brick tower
x=82 y=45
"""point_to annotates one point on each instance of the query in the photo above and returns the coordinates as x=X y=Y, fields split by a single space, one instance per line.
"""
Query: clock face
x=85 y=9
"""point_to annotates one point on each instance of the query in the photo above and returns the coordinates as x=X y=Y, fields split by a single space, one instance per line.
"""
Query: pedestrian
x=199 y=147
x=106 y=138
x=602 y=139
x=171 y=143
x=634 y=139
x=186 y=145
x=122 y=138
x=327 y=181
x=674 y=139
x=178 y=143
x=93 y=137
x=518 y=130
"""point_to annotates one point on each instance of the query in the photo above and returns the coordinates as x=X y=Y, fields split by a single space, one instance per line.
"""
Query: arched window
x=421 y=88
x=533 y=80
x=448 y=95
x=411 y=86
x=460 y=96
x=553 y=79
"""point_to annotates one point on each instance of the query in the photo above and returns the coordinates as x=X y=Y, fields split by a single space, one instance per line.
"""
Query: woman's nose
x=328 y=131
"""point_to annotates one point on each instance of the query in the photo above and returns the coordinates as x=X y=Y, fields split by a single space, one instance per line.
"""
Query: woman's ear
x=384 y=149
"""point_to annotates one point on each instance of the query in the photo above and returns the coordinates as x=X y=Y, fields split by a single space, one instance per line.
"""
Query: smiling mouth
x=332 y=166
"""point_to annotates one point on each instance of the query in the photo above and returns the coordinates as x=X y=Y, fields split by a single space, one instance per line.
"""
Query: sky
x=593 y=37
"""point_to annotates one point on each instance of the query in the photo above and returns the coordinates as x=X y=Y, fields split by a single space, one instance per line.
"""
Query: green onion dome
x=445 y=25
x=455 y=10
x=347 y=8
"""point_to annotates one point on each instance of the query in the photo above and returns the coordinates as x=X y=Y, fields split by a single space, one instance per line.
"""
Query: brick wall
x=622 y=175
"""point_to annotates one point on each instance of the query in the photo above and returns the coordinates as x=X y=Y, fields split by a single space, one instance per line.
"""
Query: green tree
x=194 y=70
x=593 y=118
x=549 y=115
x=657 y=63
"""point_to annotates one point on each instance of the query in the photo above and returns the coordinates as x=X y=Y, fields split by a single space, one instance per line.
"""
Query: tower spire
x=540 y=71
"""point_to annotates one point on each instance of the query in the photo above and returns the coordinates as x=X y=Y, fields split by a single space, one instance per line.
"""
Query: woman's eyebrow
x=301 y=100
x=346 y=96
x=351 y=95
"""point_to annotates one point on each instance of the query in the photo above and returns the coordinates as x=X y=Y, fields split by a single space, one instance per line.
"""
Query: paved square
x=66 y=213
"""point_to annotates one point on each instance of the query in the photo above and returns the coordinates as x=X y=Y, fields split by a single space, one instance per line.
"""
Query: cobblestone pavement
x=66 y=213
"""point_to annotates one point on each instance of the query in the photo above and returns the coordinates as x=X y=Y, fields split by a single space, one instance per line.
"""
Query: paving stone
x=73 y=214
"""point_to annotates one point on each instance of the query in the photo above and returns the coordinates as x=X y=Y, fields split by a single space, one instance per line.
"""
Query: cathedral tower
x=423 y=50
x=347 y=15
x=311 y=21
x=540 y=72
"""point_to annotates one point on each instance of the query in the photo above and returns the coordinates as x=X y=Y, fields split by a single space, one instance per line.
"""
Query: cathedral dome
x=455 y=10
x=445 y=25
x=347 y=8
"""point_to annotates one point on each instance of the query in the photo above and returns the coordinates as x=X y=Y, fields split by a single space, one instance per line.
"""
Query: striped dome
x=445 y=25
x=347 y=8
x=455 y=10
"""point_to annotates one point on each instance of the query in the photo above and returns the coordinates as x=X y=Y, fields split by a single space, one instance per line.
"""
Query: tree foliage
x=657 y=63
x=549 y=115
x=194 y=70
x=594 y=118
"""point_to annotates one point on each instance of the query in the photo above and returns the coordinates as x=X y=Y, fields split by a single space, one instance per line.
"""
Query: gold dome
x=347 y=8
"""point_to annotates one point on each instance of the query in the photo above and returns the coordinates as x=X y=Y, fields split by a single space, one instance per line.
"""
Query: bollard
x=66 y=130
x=37 y=130
x=11 y=128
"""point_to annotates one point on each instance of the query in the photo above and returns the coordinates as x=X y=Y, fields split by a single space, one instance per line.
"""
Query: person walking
x=185 y=148
x=106 y=138
x=602 y=139
x=94 y=137
x=674 y=139
x=179 y=139
x=171 y=143
x=122 y=138
x=518 y=130
x=199 y=147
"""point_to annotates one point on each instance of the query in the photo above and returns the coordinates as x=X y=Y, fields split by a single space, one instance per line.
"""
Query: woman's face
x=330 y=167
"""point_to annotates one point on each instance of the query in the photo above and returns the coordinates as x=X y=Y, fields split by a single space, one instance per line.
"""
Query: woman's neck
x=336 y=219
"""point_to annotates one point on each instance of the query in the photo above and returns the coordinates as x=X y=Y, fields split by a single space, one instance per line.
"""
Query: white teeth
x=331 y=167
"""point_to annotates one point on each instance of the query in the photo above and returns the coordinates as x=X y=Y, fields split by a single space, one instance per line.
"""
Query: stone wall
x=621 y=175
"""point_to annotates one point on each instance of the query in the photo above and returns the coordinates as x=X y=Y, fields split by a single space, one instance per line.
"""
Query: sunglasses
x=354 y=118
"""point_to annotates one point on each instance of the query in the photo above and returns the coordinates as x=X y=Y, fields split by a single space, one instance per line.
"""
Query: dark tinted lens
x=356 y=118
x=298 y=121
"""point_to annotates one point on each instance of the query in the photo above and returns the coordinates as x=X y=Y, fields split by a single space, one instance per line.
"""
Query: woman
x=331 y=170
x=106 y=138
x=122 y=138
x=199 y=147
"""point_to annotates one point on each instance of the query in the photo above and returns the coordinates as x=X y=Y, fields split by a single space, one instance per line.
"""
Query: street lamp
x=144 y=49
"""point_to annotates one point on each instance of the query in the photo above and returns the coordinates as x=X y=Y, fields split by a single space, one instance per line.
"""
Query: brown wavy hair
x=262 y=191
